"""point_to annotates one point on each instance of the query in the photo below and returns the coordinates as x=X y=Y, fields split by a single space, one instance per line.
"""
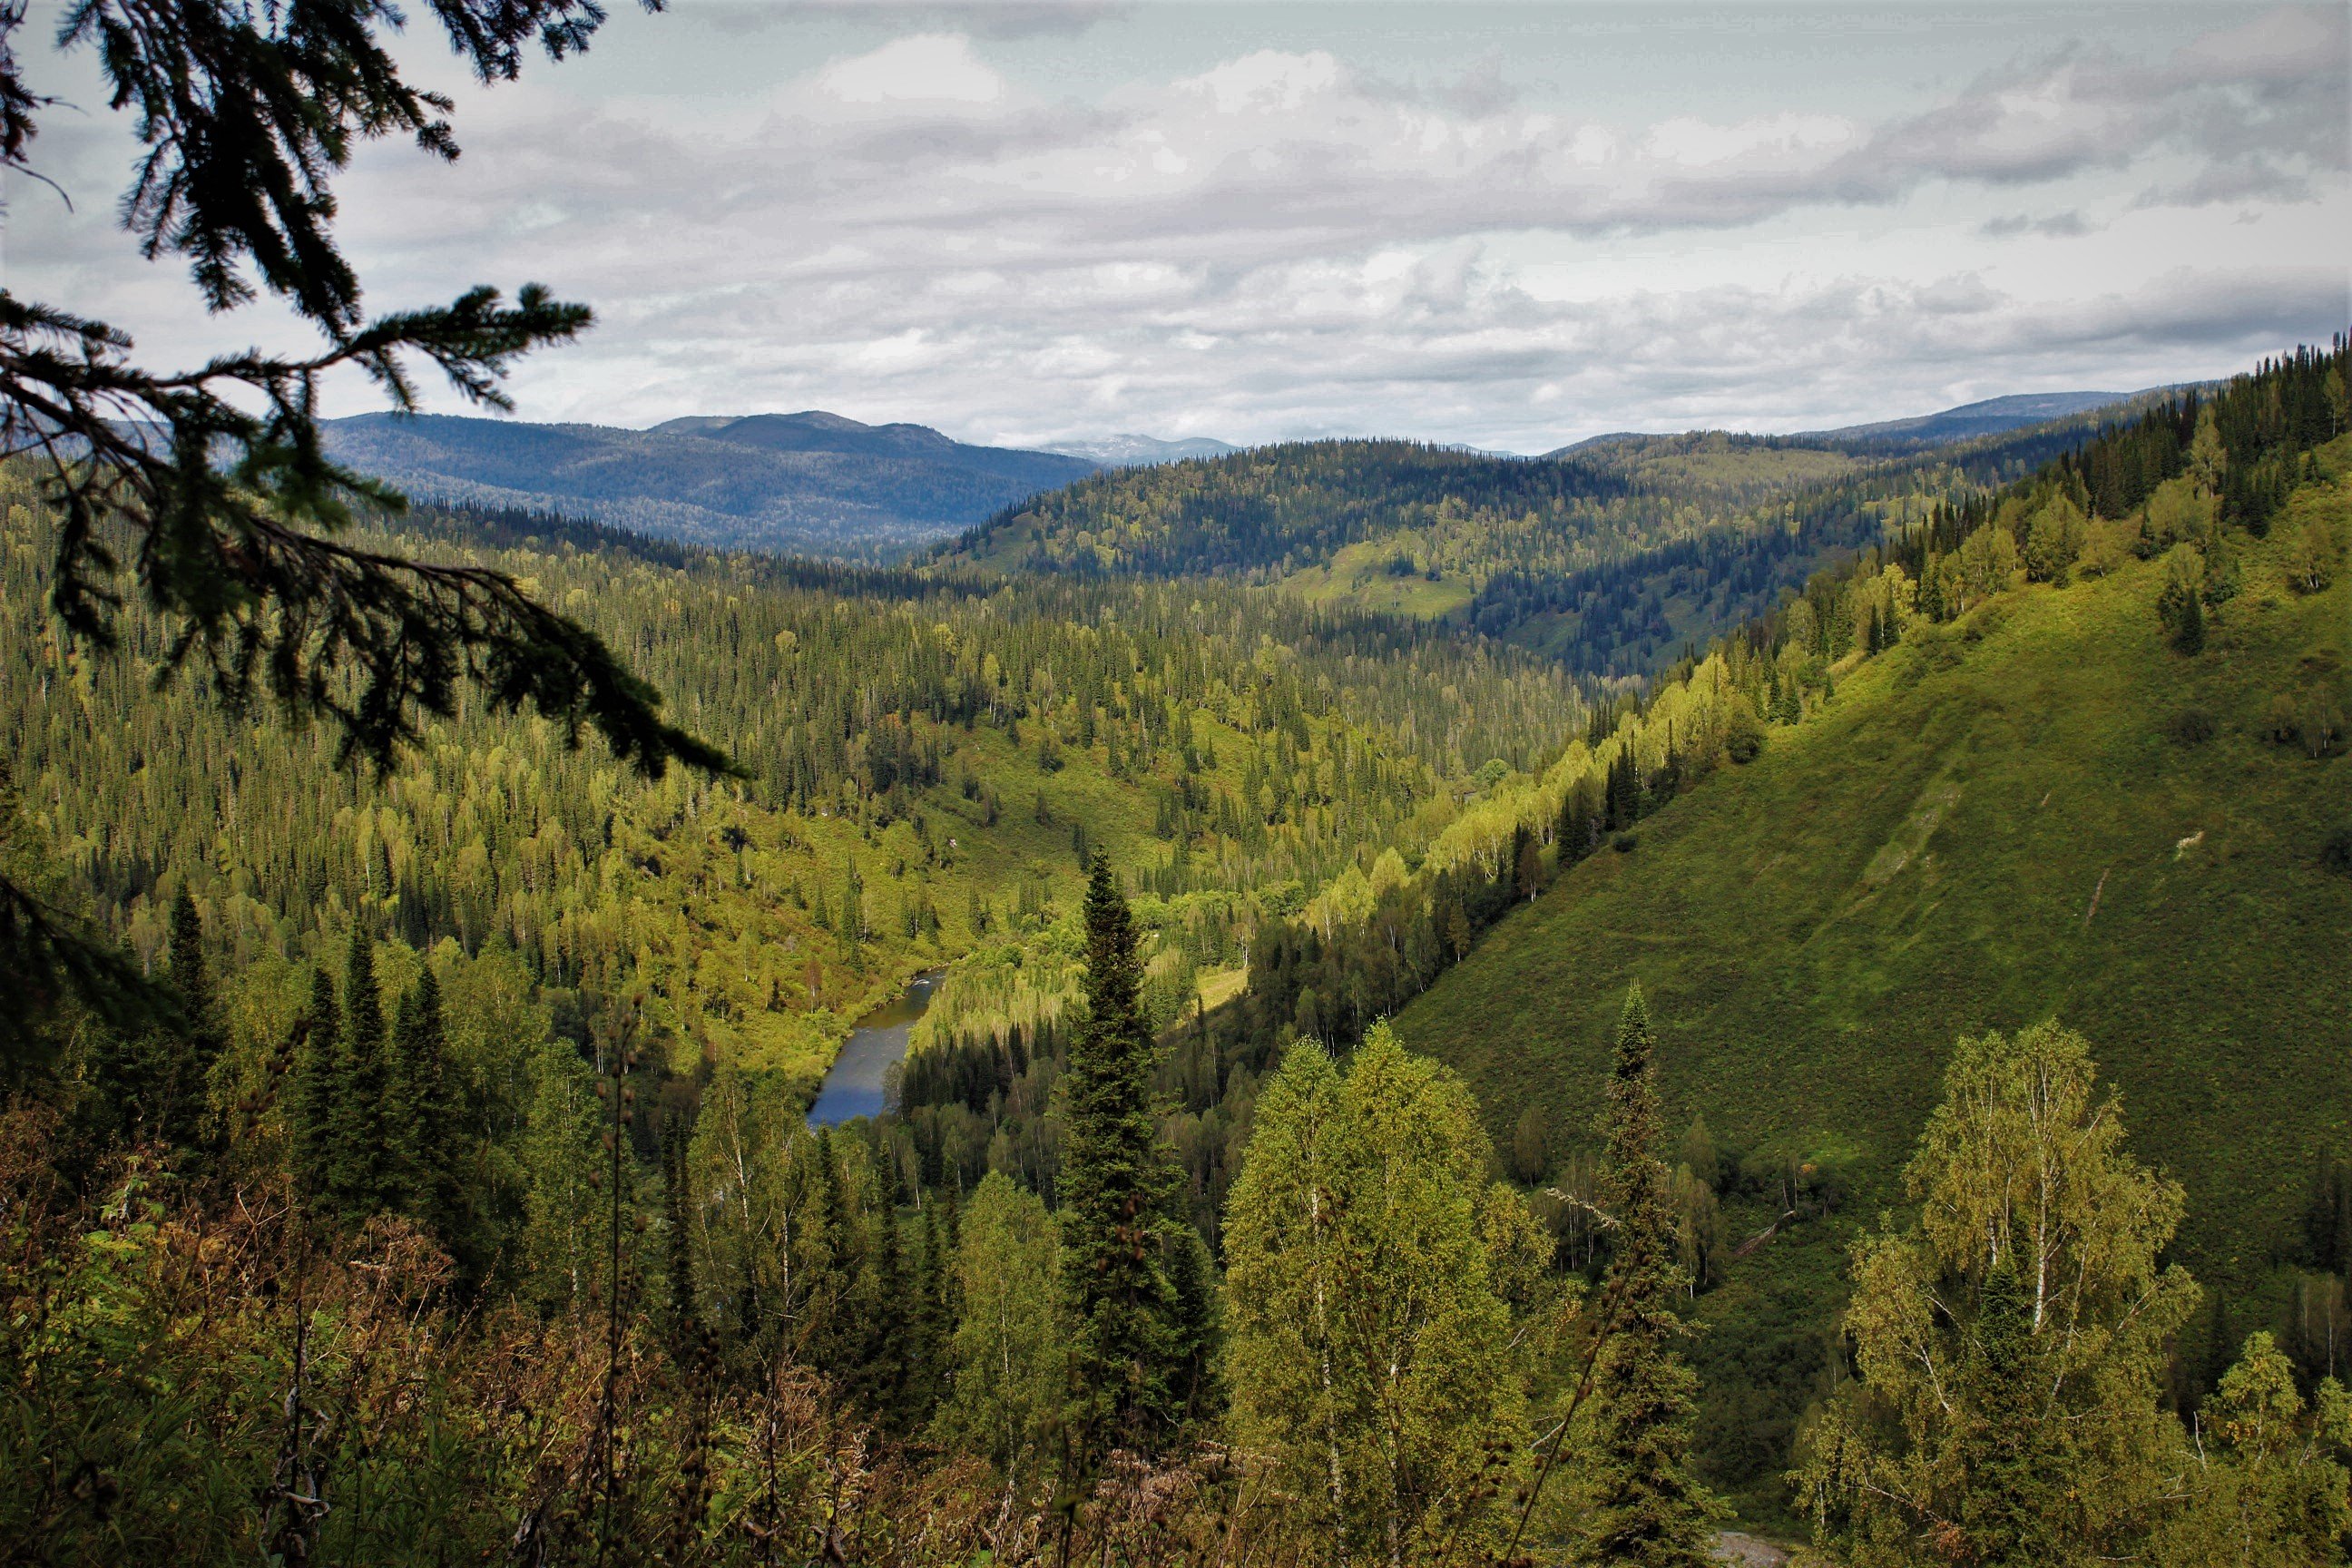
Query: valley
x=1678 y=912
x=2028 y=804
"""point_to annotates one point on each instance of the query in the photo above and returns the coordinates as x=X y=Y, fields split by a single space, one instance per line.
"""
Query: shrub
x=2336 y=851
x=2192 y=727
x=1625 y=842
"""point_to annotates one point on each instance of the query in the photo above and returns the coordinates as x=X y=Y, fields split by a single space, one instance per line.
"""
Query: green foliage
x=1611 y=558
x=363 y=1172
x=1985 y=824
x=1116 y=1190
x=314 y=1096
x=1010 y=1345
x=1376 y=1280
x=2009 y=1346
x=1641 y=1501
x=2268 y=1486
x=1239 y=745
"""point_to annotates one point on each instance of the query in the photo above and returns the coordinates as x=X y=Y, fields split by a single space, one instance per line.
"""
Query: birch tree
x=1370 y=1267
x=2011 y=1342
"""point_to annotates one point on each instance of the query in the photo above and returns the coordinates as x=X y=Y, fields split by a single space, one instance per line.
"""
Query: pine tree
x=1646 y=1506
x=315 y=1093
x=1116 y=1188
x=361 y=1167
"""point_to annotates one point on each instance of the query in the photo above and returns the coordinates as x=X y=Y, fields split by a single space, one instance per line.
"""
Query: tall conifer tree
x=360 y=1172
x=1116 y=1189
x=425 y=1118
x=315 y=1093
x=195 y=1045
x=1647 y=1506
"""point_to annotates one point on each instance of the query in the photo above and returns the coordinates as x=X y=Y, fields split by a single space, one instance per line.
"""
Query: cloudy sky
x=1512 y=225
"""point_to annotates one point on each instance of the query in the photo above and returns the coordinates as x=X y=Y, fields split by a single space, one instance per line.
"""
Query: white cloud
x=937 y=67
x=1289 y=242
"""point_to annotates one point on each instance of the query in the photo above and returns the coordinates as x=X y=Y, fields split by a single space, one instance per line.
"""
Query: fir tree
x=1647 y=1506
x=315 y=1093
x=361 y=1168
x=1116 y=1187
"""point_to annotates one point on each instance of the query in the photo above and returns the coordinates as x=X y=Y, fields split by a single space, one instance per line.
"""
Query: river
x=877 y=1043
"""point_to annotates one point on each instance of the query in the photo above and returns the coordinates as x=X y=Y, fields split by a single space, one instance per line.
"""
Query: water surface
x=877 y=1043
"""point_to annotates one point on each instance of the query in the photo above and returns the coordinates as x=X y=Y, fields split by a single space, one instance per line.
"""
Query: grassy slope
x=1812 y=942
x=1358 y=576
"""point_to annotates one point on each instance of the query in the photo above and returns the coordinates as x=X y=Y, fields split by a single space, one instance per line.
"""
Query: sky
x=1512 y=225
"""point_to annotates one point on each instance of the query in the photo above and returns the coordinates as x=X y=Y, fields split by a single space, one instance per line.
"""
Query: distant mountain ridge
x=1128 y=450
x=811 y=482
x=1991 y=416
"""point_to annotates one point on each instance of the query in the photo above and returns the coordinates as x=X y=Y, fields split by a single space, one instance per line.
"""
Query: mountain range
x=816 y=483
x=1991 y=416
x=813 y=483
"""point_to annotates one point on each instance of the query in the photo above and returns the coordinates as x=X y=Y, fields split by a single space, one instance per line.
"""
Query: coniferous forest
x=1611 y=1008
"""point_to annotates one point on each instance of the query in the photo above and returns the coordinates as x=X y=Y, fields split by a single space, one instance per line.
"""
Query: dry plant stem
x=1606 y=1327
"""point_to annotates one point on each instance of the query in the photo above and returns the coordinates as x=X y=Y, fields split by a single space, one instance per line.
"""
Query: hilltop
x=1610 y=560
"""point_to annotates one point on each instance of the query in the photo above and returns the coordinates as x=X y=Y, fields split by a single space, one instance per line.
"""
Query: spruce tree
x=315 y=1093
x=195 y=1045
x=425 y=1116
x=361 y=1168
x=885 y=1324
x=1647 y=1506
x=1117 y=1187
x=931 y=1328
x=2005 y=1514
x=404 y=1109
x=832 y=1335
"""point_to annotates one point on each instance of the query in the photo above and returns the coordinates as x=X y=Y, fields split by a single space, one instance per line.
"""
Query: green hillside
x=2039 y=810
x=1610 y=559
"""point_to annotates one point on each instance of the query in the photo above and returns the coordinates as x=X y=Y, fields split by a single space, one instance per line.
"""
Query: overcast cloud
x=1512 y=227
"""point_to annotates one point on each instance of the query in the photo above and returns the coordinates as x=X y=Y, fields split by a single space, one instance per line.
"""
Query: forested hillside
x=2100 y=783
x=1438 y=1010
x=929 y=763
x=516 y=1029
x=1611 y=559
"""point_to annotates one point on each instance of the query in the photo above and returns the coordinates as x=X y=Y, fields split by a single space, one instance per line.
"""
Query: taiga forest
x=783 y=988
